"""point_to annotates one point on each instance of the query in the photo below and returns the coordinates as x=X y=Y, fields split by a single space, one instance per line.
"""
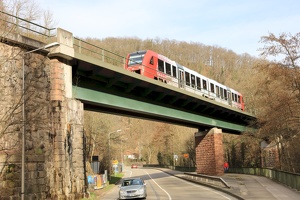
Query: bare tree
x=280 y=96
x=10 y=101
x=286 y=49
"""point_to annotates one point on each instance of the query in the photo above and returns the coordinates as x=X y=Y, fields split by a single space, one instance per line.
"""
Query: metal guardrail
x=198 y=178
x=206 y=179
x=102 y=54
x=13 y=24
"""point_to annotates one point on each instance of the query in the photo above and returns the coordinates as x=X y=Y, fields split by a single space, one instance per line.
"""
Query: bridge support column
x=209 y=152
x=66 y=163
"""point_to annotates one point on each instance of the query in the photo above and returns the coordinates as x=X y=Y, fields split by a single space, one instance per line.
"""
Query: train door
x=242 y=103
x=229 y=97
x=208 y=87
x=181 y=78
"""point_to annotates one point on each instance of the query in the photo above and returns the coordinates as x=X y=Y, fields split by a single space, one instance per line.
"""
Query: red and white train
x=155 y=66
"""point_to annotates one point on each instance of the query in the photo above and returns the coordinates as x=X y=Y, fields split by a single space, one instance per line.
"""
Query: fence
x=290 y=179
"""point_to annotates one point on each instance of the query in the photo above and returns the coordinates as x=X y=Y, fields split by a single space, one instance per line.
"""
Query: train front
x=142 y=62
x=134 y=62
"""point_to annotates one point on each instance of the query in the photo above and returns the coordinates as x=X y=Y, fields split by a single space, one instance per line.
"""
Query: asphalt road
x=162 y=186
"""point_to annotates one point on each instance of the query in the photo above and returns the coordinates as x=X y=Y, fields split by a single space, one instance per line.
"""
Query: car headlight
x=141 y=190
x=122 y=192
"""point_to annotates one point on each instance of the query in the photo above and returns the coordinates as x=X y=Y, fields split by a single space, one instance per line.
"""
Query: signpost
x=115 y=166
x=186 y=155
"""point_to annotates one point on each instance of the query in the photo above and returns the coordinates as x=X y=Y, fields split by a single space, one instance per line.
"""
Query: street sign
x=176 y=157
x=115 y=162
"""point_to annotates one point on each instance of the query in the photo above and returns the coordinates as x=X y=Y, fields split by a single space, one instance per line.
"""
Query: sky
x=235 y=25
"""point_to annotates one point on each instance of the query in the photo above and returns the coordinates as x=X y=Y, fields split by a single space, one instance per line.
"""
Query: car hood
x=131 y=187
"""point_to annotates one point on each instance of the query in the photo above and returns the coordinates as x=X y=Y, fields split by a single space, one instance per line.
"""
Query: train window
x=193 y=80
x=235 y=97
x=212 y=87
x=204 y=84
x=168 y=68
x=187 y=79
x=232 y=96
x=239 y=98
x=174 y=71
x=225 y=94
x=151 y=60
x=136 y=58
x=198 y=81
x=161 y=65
x=221 y=93
x=217 y=91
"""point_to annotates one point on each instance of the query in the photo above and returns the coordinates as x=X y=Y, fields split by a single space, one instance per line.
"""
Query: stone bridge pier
x=66 y=167
x=53 y=121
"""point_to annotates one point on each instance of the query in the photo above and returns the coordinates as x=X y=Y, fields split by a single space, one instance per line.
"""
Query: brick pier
x=209 y=152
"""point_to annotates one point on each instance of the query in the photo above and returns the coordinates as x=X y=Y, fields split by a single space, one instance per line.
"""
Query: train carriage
x=167 y=70
x=156 y=66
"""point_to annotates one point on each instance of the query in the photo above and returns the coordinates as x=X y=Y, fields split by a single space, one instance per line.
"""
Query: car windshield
x=136 y=58
x=132 y=182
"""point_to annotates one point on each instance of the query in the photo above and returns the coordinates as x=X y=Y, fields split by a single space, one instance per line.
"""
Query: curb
x=206 y=185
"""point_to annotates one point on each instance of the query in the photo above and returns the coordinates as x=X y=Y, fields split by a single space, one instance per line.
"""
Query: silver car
x=133 y=188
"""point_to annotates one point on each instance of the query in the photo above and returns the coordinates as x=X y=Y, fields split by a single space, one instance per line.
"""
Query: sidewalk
x=244 y=186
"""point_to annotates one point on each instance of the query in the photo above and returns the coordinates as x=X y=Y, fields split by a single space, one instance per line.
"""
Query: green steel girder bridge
x=102 y=84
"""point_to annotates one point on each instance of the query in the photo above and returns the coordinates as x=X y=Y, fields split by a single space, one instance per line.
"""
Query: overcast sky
x=236 y=25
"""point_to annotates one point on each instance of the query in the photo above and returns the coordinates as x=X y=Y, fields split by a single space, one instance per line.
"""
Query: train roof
x=179 y=65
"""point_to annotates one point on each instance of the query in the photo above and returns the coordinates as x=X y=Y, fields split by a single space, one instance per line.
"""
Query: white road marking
x=202 y=187
x=170 y=198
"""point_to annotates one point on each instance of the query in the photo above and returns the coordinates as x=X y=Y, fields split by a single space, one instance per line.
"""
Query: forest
x=270 y=85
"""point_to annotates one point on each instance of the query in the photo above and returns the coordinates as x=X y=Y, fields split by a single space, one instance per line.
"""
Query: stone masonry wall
x=210 y=153
x=54 y=167
x=37 y=124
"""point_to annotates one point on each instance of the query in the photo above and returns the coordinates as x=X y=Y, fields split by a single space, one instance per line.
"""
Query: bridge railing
x=92 y=50
x=13 y=24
